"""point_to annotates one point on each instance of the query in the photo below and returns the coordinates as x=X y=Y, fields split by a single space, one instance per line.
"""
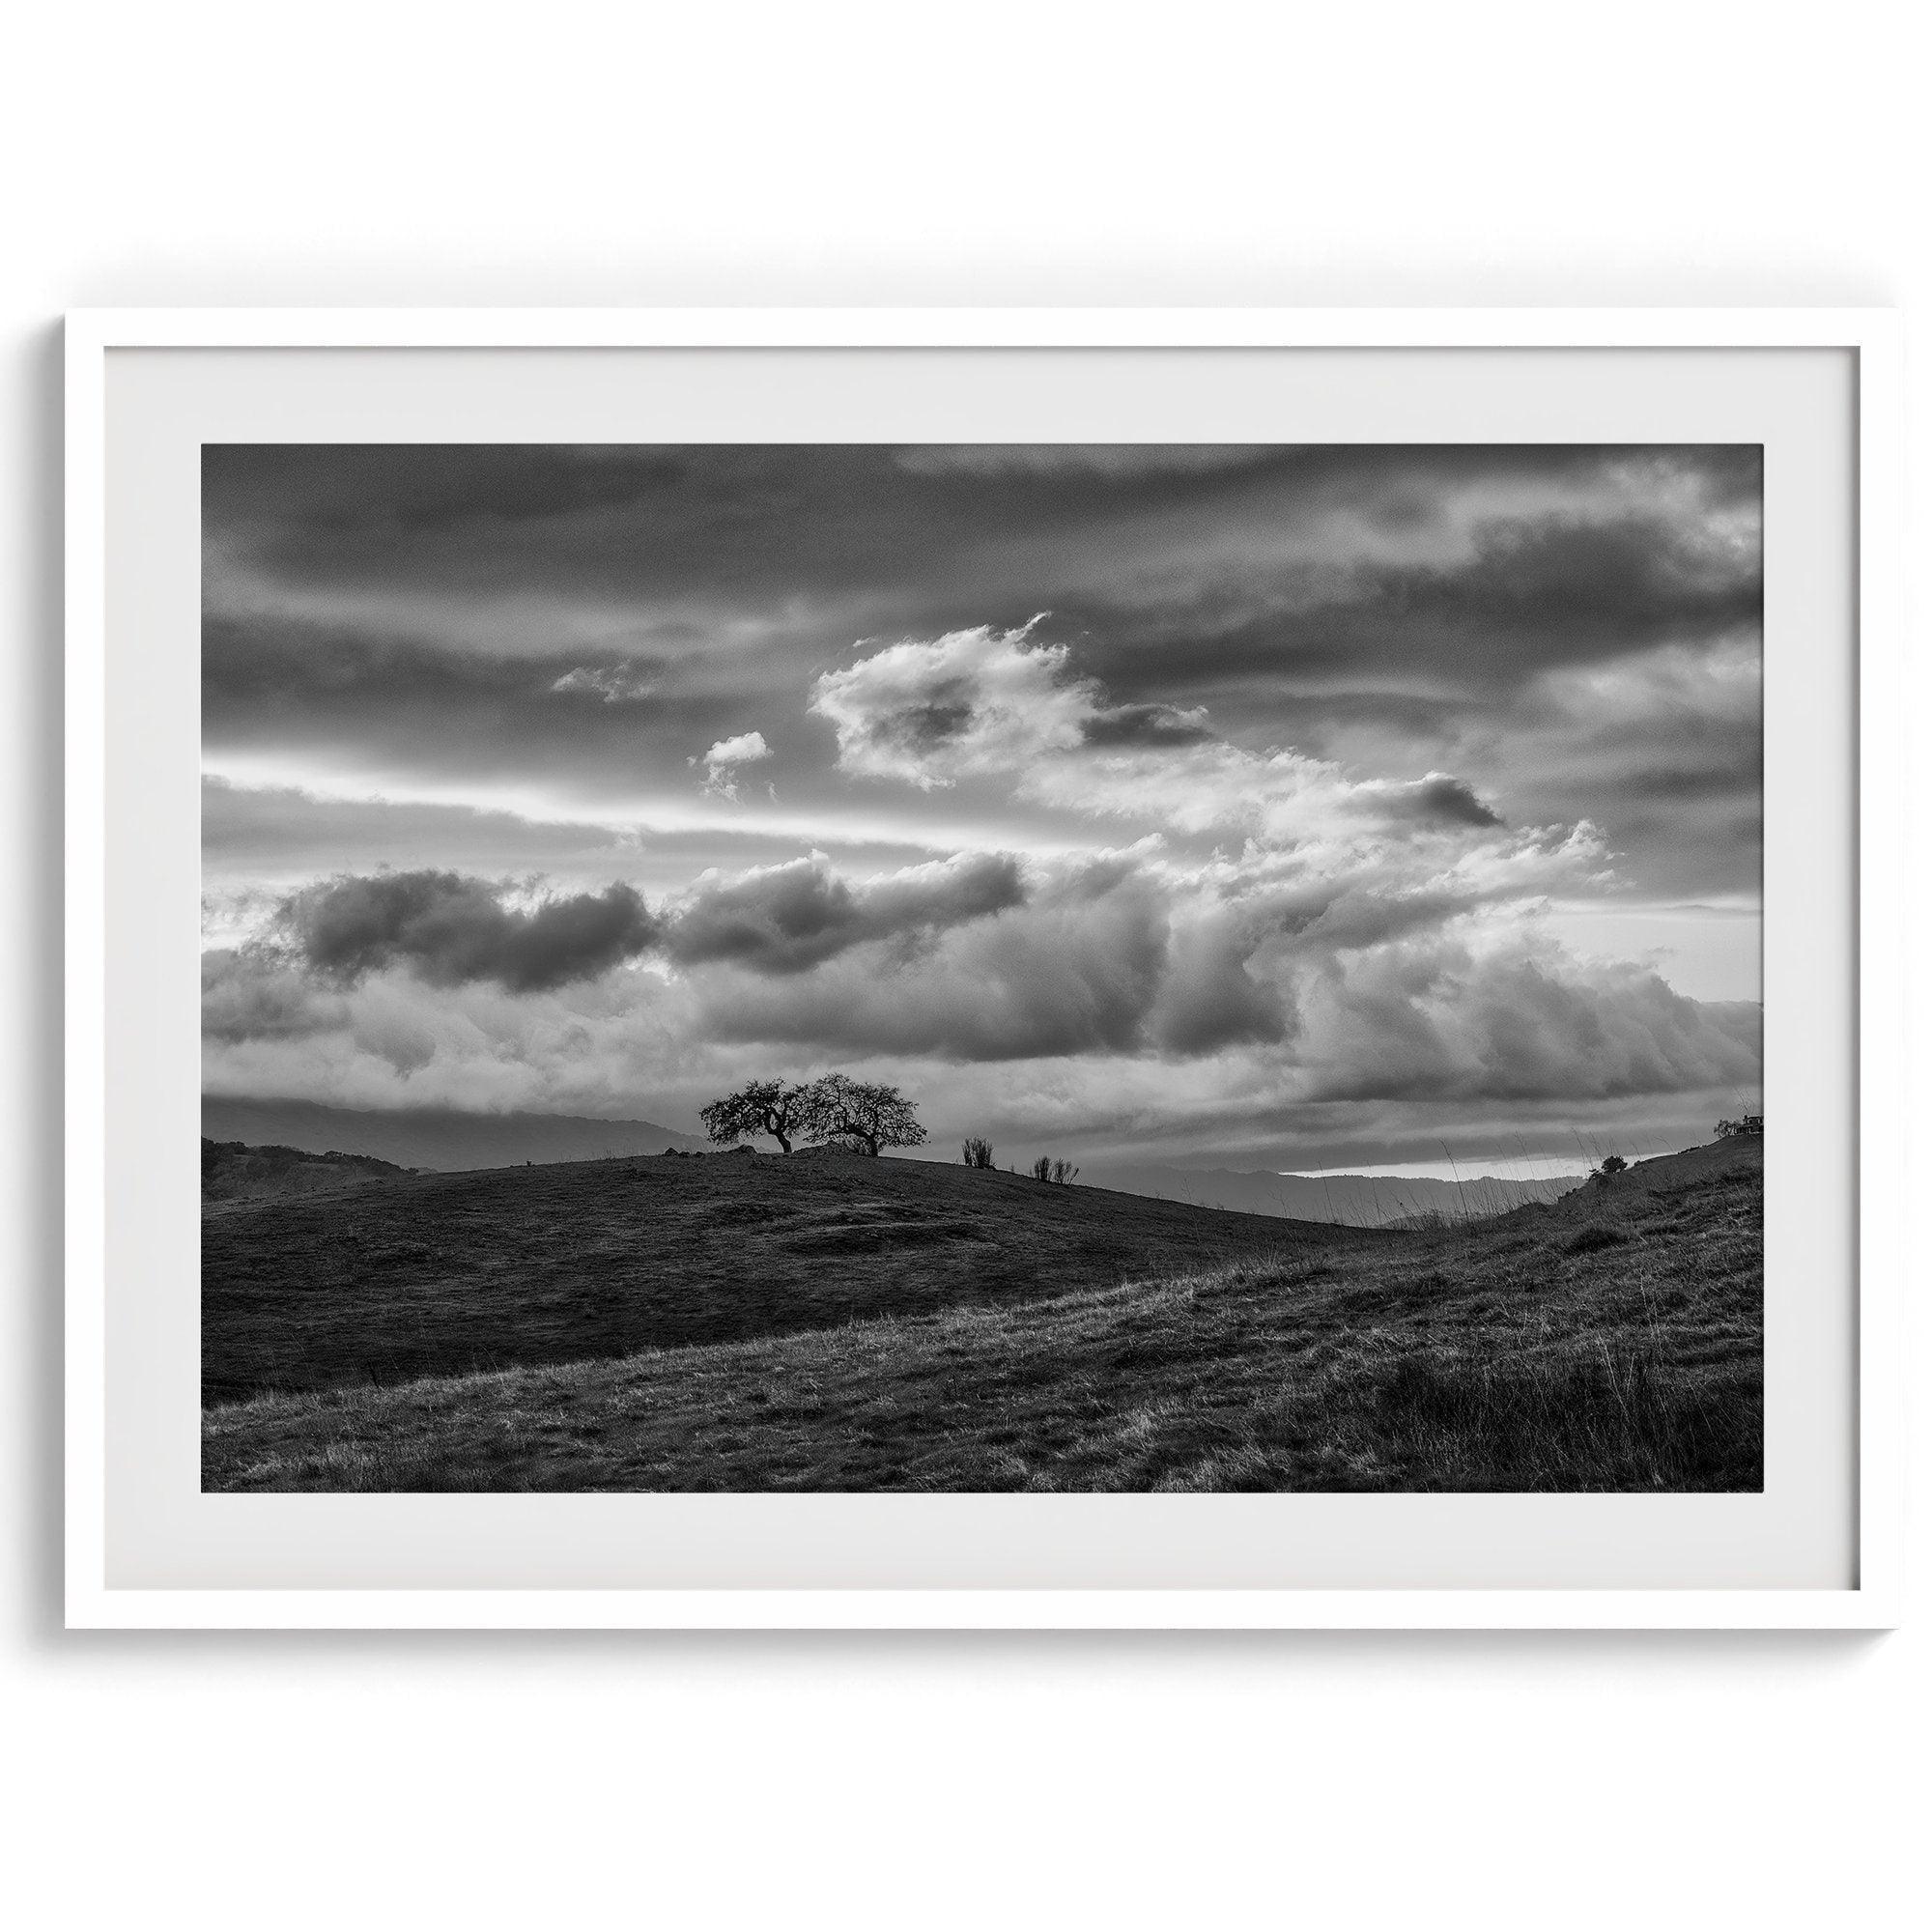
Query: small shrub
x=1614 y=1163
x=975 y=1153
x=1055 y=1171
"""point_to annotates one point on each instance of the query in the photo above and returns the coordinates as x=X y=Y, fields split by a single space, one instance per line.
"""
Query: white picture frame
x=1872 y=1597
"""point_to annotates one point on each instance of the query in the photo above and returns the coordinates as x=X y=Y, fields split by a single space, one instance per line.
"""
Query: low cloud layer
x=784 y=919
x=1090 y=1015
x=449 y=929
x=1114 y=983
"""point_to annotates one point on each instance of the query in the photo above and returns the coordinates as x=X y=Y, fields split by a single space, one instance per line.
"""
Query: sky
x=1281 y=807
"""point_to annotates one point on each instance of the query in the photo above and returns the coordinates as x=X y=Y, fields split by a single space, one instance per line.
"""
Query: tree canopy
x=865 y=1117
x=870 y=1116
x=779 y=1108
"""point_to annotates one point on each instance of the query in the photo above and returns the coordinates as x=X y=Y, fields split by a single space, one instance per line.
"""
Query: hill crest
x=447 y=1274
x=231 y=1171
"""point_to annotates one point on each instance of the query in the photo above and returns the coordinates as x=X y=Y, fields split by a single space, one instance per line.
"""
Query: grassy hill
x=233 y=1172
x=441 y=1274
x=1608 y=1346
x=447 y=1141
x=1632 y=1196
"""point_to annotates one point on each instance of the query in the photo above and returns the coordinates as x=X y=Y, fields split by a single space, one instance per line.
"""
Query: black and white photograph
x=1133 y=967
x=975 y=848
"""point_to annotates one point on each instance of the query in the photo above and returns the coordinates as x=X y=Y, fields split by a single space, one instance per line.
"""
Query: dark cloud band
x=449 y=930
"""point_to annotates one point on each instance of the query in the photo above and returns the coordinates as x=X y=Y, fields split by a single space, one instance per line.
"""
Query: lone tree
x=774 y=1107
x=870 y=1116
x=975 y=1153
x=1614 y=1163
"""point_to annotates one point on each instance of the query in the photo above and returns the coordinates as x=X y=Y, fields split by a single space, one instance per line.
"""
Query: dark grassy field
x=448 y=1273
x=1612 y=1341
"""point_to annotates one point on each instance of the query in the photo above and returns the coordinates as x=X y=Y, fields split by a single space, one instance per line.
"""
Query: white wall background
x=410 y=152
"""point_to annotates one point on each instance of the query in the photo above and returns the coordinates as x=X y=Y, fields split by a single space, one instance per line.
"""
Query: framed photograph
x=984 y=969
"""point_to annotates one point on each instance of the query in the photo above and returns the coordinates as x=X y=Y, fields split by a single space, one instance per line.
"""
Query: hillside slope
x=233 y=1172
x=439 y=1138
x=1635 y=1194
x=1541 y=1351
x=440 y=1274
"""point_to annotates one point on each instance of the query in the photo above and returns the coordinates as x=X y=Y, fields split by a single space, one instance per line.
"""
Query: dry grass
x=454 y=1273
x=1507 y=1356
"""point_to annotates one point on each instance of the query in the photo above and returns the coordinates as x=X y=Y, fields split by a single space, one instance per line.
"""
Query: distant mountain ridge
x=437 y=1138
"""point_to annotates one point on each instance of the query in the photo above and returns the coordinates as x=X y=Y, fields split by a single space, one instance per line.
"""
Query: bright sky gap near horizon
x=1290 y=808
x=1553 y=1168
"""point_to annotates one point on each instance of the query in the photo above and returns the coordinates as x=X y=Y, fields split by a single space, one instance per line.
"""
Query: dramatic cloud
x=1452 y=1019
x=787 y=918
x=1245 y=799
x=985 y=701
x=721 y=762
x=1077 y=969
x=554 y=628
x=978 y=701
x=1434 y=800
x=248 y=994
x=1209 y=999
x=1095 y=1011
x=447 y=930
